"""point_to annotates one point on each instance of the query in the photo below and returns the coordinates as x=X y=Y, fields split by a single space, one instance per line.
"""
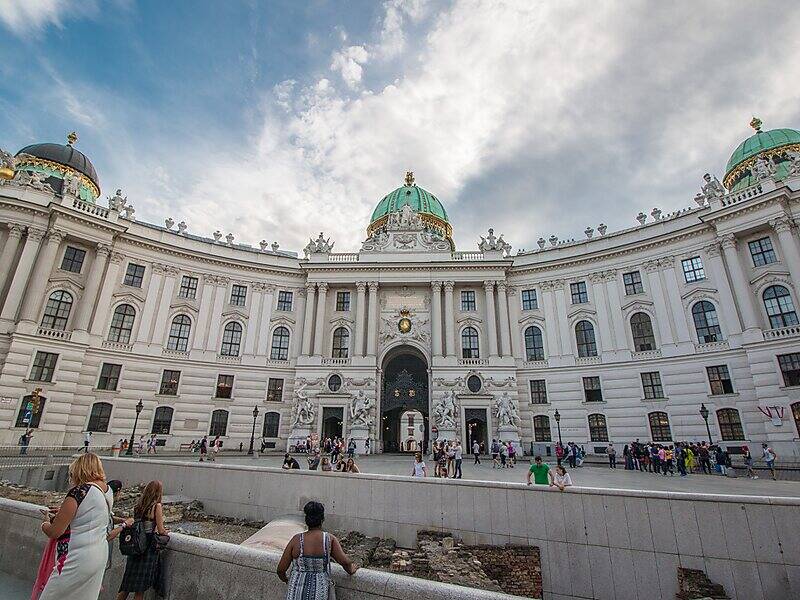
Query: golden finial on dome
x=756 y=124
x=72 y=137
x=409 y=178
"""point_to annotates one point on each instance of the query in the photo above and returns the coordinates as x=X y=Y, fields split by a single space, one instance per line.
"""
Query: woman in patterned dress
x=309 y=555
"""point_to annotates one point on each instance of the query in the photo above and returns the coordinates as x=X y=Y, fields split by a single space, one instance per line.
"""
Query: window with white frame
x=285 y=300
x=99 y=417
x=538 y=391
x=762 y=252
x=585 y=340
x=719 y=379
x=790 y=368
x=122 y=324
x=134 y=275
x=341 y=343
x=280 y=344
x=642 y=330
x=188 y=287
x=109 y=377
x=534 y=343
x=706 y=322
x=693 y=269
x=578 y=292
x=779 y=306
x=659 y=426
x=44 y=366
x=73 y=259
x=633 y=283
x=651 y=383
x=469 y=343
x=529 y=300
x=57 y=309
x=231 y=339
x=238 y=295
x=730 y=425
x=179 y=333
x=592 y=391
x=468 y=302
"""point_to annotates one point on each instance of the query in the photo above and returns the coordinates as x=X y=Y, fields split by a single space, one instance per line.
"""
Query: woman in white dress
x=81 y=527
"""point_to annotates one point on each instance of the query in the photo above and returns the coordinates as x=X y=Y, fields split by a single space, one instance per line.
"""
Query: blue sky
x=275 y=120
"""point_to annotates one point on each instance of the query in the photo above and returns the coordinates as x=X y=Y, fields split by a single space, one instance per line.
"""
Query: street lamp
x=557 y=417
x=139 y=407
x=704 y=414
x=253 y=434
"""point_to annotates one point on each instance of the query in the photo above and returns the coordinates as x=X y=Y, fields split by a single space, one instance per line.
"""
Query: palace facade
x=621 y=335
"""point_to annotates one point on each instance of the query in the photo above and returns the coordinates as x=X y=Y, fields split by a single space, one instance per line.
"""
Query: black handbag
x=134 y=540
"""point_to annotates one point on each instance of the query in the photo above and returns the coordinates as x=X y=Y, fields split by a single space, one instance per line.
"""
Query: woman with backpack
x=141 y=569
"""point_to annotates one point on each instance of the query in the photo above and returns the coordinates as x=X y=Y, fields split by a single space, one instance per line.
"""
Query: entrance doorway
x=404 y=395
x=476 y=428
x=332 y=422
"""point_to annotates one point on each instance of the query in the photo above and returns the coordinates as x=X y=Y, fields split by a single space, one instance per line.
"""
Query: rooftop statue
x=33 y=179
x=491 y=242
x=764 y=168
x=711 y=189
x=318 y=246
x=7 y=164
x=794 y=162
x=117 y=202
x=72 y=186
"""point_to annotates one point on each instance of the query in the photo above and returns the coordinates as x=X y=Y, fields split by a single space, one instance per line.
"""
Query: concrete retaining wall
x=595 y=543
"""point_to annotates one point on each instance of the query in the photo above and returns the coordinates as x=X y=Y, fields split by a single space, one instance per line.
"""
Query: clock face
x=404 y=325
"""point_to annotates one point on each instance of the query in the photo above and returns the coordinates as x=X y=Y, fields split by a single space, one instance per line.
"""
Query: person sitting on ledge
x=351 y=466
x=289 y=462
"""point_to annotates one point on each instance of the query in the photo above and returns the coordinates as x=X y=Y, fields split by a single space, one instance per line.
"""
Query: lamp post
x=704 y=414
x=557 y=417
x=253 y=434
x=139 y=407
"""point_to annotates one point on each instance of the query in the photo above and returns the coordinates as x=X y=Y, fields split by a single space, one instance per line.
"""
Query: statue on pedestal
x=360 y=406
x=444 y=412
x=303 y=411
x=506 y=411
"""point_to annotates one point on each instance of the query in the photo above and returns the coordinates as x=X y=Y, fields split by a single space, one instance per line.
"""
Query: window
x=730 y=424
x=219 y=423
x=224 y=386
x=169 y=383
x=280 y=344
x=134 y=275
x=659 y=427
x=584 y=336
x=30 y=412
x=284 y=300
x=762 y=252
x=275 y=390
x=188 y=287
x=706 y=322
x=238 y=295
x=469 y=343
x=720 y=380
x=343 y=301
x=179 y=333
x=271 y=422
x=633 y=283
x=231 y=339
x=334 y=382
x=529 y=300
x=99 y=417
x=796 y=415
x=44 y=366
x=780 y=307
x=598 y=431
x=538 y=391
x=122 y=324
x=591 y=389
x=109 y=377
x=642 y=329
x=534 y=345
x=693 y=269
x=56 y=312
x=790 y=368
x=541 y=428
x=651 y=383
x=73 y=259
x=341 y=342
x=578 y=292
x=468 y=301
x=162 y=420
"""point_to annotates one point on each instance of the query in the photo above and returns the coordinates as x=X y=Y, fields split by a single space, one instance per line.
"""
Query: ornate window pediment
x=66 y=284
x=772 y=277
x=129 y=296
x=234 y=314
x=469 y=321
x=184 y=306
x=637 y=305
x=281 y=320
x=581 y=313
x=532 y=319
x=699 y=293
x=341 y=322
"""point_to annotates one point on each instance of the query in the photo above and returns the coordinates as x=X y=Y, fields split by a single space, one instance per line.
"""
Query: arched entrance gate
x=404 y=389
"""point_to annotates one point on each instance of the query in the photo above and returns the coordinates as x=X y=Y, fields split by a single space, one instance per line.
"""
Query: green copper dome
x=421 y=201
x=769 y=144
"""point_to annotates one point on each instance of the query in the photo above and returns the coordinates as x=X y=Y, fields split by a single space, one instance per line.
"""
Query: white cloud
x=348 y=62
x=30 y=16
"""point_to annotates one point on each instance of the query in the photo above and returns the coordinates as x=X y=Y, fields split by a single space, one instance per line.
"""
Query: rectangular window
x=790 y=368
x=73 y=259
x=219 y=423
x=343 y=301
x=651 y=382
x=762 y=252
x=188 y=287
x=538 y=391
x=468 y=301
x=30 y=412
x=693 y=269
x=224 y=386
x=633 y=283
x=591 y=389
x=99 y=418
x=169 y=383
x=275 y=390
x=44 y=366
x=529 y=300
x=578 y=292
x=109 y=377
x=134 y=275
x=720 y=380
x=284 y=300
x=238 y=295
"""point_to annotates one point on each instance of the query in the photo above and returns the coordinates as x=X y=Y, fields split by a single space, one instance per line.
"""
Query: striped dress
x=310 y=577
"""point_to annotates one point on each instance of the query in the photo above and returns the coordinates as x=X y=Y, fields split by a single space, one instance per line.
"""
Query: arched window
x=280 y=344
x=341 y=343
x=706 y=322
x=179 y=333
x=219 y=423
x=598 y=431
x=534 y=345
x=271 y=422
x=584 y=336
x=780 y=307
x=659 y=427
x=100 y=416
x=30 y=412
x=730 y=425
x=56 y=312
x=469 y=343
x=642 y=329
x=541 y=428
x=796 y=415
x=162 y=420
x=231 y=339
x=122 y=324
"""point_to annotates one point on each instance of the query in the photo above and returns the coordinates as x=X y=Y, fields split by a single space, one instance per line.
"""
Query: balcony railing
x=745 y=194
x=229 y=359
x=646 y=354
x=121 y=346
x=343 y=257
x=473 y=362
x=88 y=207
x=536 y=364
x=587 y=360
x=467 y=255
x=338 y=362
x=277 y=362
x=712 y=346
x=175 y=353
x=783 y=332
x=56 y=334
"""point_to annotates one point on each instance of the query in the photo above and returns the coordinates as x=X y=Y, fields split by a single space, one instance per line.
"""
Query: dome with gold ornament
x=775 y=146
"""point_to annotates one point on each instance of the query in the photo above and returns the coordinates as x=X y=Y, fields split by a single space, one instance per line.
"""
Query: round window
x=474 y=384
x=334 y=383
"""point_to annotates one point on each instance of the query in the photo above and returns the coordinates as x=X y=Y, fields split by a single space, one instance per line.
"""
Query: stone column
x=361 y=299
x=615 y=309
x=601 y=306
x=151 y=300
x=319 y=325
x=449 y=319
x=563 y=324
x=34 y=298
x=491 y=320
x=251 y=335
x=109 y=284
x=308 y=318
x=87 y=301
x=21 y=275
x=552 y=326
x=673 y=294
x=9 y=252
x=264 y=343
x=436 y=317
x=514 y=314
x=372 y=319
x=728 y=306
x=741 y=283
x=505 y=333
x=220 y=295
x=653 y=268
x=782 y=227
x=206 y=298
x=162 y=321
